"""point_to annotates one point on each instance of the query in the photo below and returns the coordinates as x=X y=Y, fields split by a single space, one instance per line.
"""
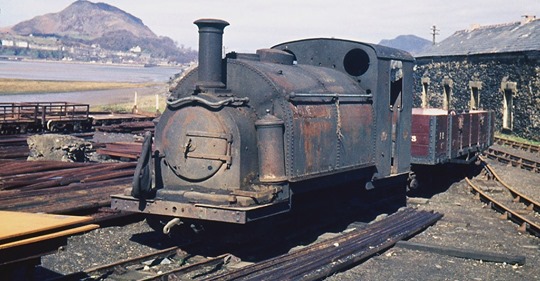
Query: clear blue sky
x=259 y=24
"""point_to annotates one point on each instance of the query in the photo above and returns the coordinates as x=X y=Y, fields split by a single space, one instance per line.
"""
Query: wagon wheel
x=23 y=129
x=57 y=127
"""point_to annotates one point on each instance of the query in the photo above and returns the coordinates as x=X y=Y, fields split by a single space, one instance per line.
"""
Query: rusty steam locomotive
x=243 y=133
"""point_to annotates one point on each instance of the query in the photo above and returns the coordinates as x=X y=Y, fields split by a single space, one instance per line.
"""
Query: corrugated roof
x=502 y=38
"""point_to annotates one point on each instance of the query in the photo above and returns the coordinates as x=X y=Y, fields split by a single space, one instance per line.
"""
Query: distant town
x=17 y=47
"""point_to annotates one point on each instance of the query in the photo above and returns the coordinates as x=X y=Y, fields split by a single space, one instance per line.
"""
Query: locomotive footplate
x=230 y=214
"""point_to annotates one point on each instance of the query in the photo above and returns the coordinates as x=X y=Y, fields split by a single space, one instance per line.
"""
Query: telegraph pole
x=434 y=33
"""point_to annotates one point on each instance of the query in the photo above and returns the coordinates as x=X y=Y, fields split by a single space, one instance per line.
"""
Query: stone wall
x=491 y=72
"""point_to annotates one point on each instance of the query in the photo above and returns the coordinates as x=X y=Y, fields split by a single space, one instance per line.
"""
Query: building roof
x=502 y=38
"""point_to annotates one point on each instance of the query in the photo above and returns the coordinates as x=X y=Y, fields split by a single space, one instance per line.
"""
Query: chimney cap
x=211 y=22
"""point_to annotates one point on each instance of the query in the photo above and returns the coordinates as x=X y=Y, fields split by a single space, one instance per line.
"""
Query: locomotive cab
x=242 y=134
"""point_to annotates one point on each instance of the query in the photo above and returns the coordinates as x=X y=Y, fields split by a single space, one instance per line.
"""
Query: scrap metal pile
x=60 y=187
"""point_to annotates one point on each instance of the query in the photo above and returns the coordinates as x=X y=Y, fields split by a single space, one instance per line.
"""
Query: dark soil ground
x=467 y=224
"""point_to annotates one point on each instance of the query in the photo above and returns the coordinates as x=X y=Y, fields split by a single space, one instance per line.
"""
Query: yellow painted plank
x=50 y=236
x=13 y=224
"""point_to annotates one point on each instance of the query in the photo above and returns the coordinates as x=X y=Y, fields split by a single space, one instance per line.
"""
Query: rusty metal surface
x=195 y=142
x=315 y=129
x=429 y=137
x=345 y=108
x=120 y=119
x=327 y=48
x=25 y=236
x=467 y=128
x=484 y=128
x=14 y=152
x=270 y=149
x=322 y=259
x=60 y=187
x=476 y=122
x=420 y=137
x=239 y=215
x=324 y=112
x=372 y=68
x=123 y=150
x=472 y=132
x=210 y=52
x=440 y=137
x=20 y=118
x=135 y=127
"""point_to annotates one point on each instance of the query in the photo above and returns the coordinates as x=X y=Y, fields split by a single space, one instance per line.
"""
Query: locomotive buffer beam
x=230 y=214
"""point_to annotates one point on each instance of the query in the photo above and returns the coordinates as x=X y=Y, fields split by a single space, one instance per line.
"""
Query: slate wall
x=491 y=71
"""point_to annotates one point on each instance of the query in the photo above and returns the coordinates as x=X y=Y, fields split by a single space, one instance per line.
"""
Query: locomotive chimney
x=210 y=46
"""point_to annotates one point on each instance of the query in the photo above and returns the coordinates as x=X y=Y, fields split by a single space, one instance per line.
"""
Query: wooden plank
x=49 y=236
x=462 y=253
x=16 y=224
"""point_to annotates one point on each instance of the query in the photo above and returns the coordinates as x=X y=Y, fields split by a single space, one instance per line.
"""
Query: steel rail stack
x=322 y=259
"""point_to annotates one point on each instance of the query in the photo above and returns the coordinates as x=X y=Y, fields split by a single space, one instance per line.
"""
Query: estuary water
x=57 y=71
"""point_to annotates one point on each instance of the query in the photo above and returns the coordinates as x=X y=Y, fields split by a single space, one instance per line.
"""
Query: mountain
x=85 y=22
x=410 y=43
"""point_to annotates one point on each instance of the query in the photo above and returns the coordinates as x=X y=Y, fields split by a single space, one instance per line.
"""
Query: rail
x=506 y=157
x=518 y=145
x=61 y=187
x=134 y=267
x=525 y=224
x=518 y=196
x=322 y=259
x=310 y=263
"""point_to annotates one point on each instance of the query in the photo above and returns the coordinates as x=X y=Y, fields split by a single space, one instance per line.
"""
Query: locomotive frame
x=244 y=134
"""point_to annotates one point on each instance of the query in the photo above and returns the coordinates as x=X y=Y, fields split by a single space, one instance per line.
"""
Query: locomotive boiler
x=244 y=133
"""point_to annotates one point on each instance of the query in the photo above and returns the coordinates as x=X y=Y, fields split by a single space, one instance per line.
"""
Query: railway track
x=157 y=265
x=513 y=205
x=518 y=145
x=322 y=259
x=312 y=262
x=516 y=154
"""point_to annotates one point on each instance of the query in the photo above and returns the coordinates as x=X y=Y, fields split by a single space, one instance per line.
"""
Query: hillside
x=410 y=43
x=84 y=20
x=110 y=28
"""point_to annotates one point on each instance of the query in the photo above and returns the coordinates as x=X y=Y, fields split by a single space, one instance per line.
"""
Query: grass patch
x=516 y=138
x=23 y=86
x=144 y=103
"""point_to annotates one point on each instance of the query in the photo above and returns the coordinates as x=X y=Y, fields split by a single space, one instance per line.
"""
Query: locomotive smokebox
x=210 y=52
